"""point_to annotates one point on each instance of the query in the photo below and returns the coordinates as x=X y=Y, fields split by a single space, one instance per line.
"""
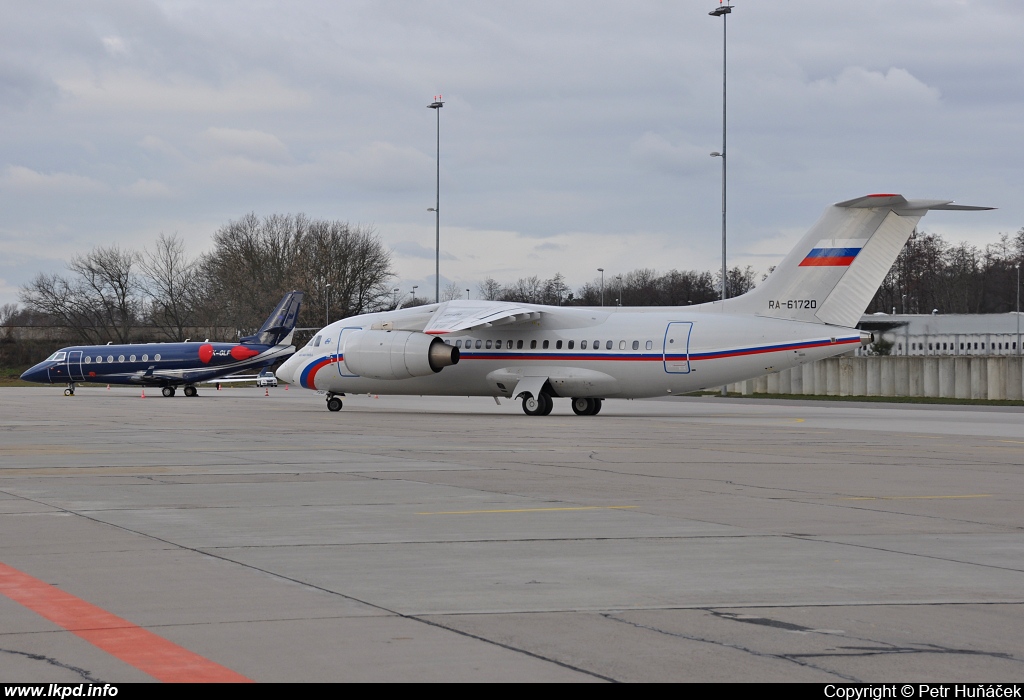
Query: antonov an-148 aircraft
x=806 y=310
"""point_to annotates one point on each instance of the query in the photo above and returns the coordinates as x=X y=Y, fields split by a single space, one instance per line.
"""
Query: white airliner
x=806 y=310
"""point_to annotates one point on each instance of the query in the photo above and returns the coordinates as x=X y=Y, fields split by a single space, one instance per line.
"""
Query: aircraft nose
x=286 y=372
x=37 y=374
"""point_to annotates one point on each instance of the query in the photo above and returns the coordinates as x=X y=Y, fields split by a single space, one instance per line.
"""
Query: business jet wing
x=466 y=315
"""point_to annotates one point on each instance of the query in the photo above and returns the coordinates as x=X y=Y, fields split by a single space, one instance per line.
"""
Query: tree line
x=120 y=295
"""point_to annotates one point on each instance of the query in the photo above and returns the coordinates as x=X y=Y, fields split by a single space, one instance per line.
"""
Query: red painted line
x=148 y=652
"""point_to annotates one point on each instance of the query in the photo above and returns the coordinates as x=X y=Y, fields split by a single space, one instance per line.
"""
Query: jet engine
x=397 y=354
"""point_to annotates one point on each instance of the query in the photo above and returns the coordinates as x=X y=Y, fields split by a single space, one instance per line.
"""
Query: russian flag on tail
x=833 y=253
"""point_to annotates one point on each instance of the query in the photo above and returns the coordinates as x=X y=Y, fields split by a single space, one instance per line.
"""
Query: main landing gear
x=333 y=403
x=70 y=391
x=542 y=405
x=586 y=407
x=167 y=391
x=191 y=391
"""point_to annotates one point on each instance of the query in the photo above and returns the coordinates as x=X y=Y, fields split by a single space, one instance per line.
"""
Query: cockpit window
x=57 y=357
x=316 y=342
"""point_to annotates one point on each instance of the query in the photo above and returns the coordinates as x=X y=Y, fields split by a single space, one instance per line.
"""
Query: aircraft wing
x=233 y=378
x=465 y=315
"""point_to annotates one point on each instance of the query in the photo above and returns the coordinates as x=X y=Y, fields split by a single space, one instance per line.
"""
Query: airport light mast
x=436 y=105
x=723 y=11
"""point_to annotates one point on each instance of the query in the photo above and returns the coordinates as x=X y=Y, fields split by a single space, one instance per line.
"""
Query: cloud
x=147 y=189
x=246 y=143
x=656 y=153
x=18 y=177
x=411 y=249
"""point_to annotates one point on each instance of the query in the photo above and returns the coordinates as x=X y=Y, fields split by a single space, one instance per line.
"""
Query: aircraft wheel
x=597 y=406
x=167 y=391
x=533 y=406
x=549 y=403
x=334 y=404
x=69 y=392
x=191 y=391
x=583 y=407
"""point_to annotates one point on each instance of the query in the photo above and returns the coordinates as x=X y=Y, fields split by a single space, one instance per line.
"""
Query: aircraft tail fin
x=280 y=325
x=833 y=273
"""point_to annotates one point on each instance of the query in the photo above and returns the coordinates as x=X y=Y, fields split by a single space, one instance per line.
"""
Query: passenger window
x=479 y=344
x=145 y=358
x=156 y=357
x=650 y=345
x=622 y=345
x=558 y=345
x=519 y=345
x=120 y=358
x=110 y=358
x=597 y=345
x=546 y=344
x=316 y=341
x=533 y=344
x=99 y=359
x=132 y=358
x=583 y=345
x=508 y=345
x=636 y=344
x=458 y=343
x=608 y=345
x=88 y=359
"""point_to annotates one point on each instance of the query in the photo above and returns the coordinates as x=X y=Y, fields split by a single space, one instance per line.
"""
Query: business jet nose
x=38 y=374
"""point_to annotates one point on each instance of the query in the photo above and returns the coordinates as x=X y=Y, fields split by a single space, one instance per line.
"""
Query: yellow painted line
x=1014 y=442
x=907 y=498
x=525 y=510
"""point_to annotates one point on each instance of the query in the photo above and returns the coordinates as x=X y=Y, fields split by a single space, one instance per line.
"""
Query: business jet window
x=120 y=358
x=99 y=359
x=558 y=345
x=488 y=345
x=132 y=358
x=156 y=357
x=650 y=345
x=519 y=345
x=58 y=356
x=479 y=344
x=636 y=344
x=316 y=342
x=546 y=344
x=145 y=358
x=88 y=359
x=583 y=345
x=110 y=358
x=571 y=343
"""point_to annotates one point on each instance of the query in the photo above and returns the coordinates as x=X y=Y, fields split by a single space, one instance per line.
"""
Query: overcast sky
x=575 y=135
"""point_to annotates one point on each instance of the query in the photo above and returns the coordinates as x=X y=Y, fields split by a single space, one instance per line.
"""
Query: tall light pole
x=414 y=288
x=1018 y=308
x=436 y=105
x=467 y=295
x=601 y=270
x=722 y=11
x=327 y=306
x=619 y=278
x=394 y=294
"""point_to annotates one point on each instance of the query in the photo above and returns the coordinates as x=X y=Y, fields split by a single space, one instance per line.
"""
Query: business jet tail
x=833 y=273
x=280 y=325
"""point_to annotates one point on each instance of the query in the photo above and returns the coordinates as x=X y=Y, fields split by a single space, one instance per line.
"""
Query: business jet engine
x=397 y=354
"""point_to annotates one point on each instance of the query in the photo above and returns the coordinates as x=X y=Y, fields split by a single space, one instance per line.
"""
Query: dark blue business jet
x=170 y=365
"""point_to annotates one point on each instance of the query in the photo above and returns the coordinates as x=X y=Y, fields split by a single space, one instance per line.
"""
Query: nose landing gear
x=70 y=391
x=333 y=403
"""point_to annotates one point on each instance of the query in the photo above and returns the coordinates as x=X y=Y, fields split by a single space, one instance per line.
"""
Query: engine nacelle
x=397 y=354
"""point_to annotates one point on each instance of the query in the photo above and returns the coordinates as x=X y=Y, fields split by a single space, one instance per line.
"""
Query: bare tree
x=451 y=292
x=172 y=281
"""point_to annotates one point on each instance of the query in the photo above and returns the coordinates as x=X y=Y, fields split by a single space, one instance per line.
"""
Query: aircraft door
x=75 y=366
x=342 y=336
x=676 y=349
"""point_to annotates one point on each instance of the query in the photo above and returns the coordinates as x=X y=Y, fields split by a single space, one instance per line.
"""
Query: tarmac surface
x=450 y=539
